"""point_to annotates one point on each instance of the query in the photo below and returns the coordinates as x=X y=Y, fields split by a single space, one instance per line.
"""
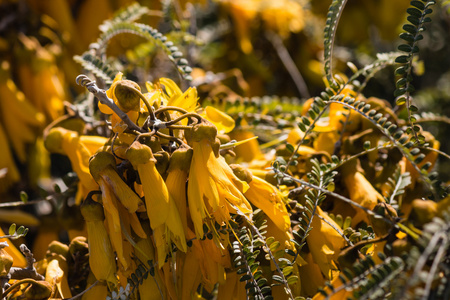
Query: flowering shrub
x=190 y=190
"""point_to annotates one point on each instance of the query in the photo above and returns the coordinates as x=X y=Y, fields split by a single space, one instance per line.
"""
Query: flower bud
x=380 y=225
x=242 y=173
x=92 y=211
x=139 y=154
x=99 y=162
x=204 y=131
x=181 y=158
x=78 y=245
x=56 y=247
x=127 y=98
x=38 y=290
x=423 y=211
x=53 y=140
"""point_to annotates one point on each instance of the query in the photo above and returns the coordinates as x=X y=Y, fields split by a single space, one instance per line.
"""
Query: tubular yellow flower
x=78 y=149
x=232 y=289
x=101 y=257
x=325 y=243
x=19 y=116
x=311 y=276
x=116 y=222
x=55 y=275
x=152 y=287
x=9 y=174
x=102 y=167
x=161 y=208
x=266 y=197
x=210 y=190
x=177 y=177
x=191 y=277
x=18 y=259
x=361 y=191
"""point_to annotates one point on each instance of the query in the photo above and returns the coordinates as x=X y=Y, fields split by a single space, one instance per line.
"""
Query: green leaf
x=12 y=229
x=418 y=4
x=410 y=28
x=414 y=11
x=407 y=37
x=306 y=121
x=404 y=48
x=400 y=100
x=277 y=278
x=20 y=230
x=414 y=20
x=401 y=70
x=23 y=196
x=402 y=59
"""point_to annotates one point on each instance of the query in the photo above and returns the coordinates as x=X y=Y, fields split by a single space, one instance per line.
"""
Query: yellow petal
x=265 y=196
x=221 y=120
x=325 y=243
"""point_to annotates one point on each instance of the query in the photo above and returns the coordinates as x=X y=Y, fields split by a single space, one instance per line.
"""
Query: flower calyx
x=181 y=158
x=139 y=154
x=242 y=173
x=126 y=93
x=92 y=210
x=100 y=162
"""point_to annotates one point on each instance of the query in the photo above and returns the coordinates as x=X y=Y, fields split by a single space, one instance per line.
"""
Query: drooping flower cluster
x=161 y=194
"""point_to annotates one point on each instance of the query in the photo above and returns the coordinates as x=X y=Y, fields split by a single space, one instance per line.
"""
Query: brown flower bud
x=139 y=154
x=241 y=173
x=127 y=98
x=99 y=162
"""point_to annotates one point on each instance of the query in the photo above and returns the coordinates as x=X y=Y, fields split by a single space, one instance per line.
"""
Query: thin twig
x=83 y=292
x=85 y=81
x=288 y=63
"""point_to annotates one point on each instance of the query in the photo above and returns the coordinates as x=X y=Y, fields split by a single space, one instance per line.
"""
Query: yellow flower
x=101 y=257
x=161 y=208
x=127 y=100
x=19 y=117
x=9 y=174
x=283 y=16
x=311 y=276
x=191 y=274
x=102 y=167
x=266 y=197
x=177 y=177
x=151 y=286
x=211 y=193
x=360 y=191
x=325 y=243
x=78 y=149
x=232 y=289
